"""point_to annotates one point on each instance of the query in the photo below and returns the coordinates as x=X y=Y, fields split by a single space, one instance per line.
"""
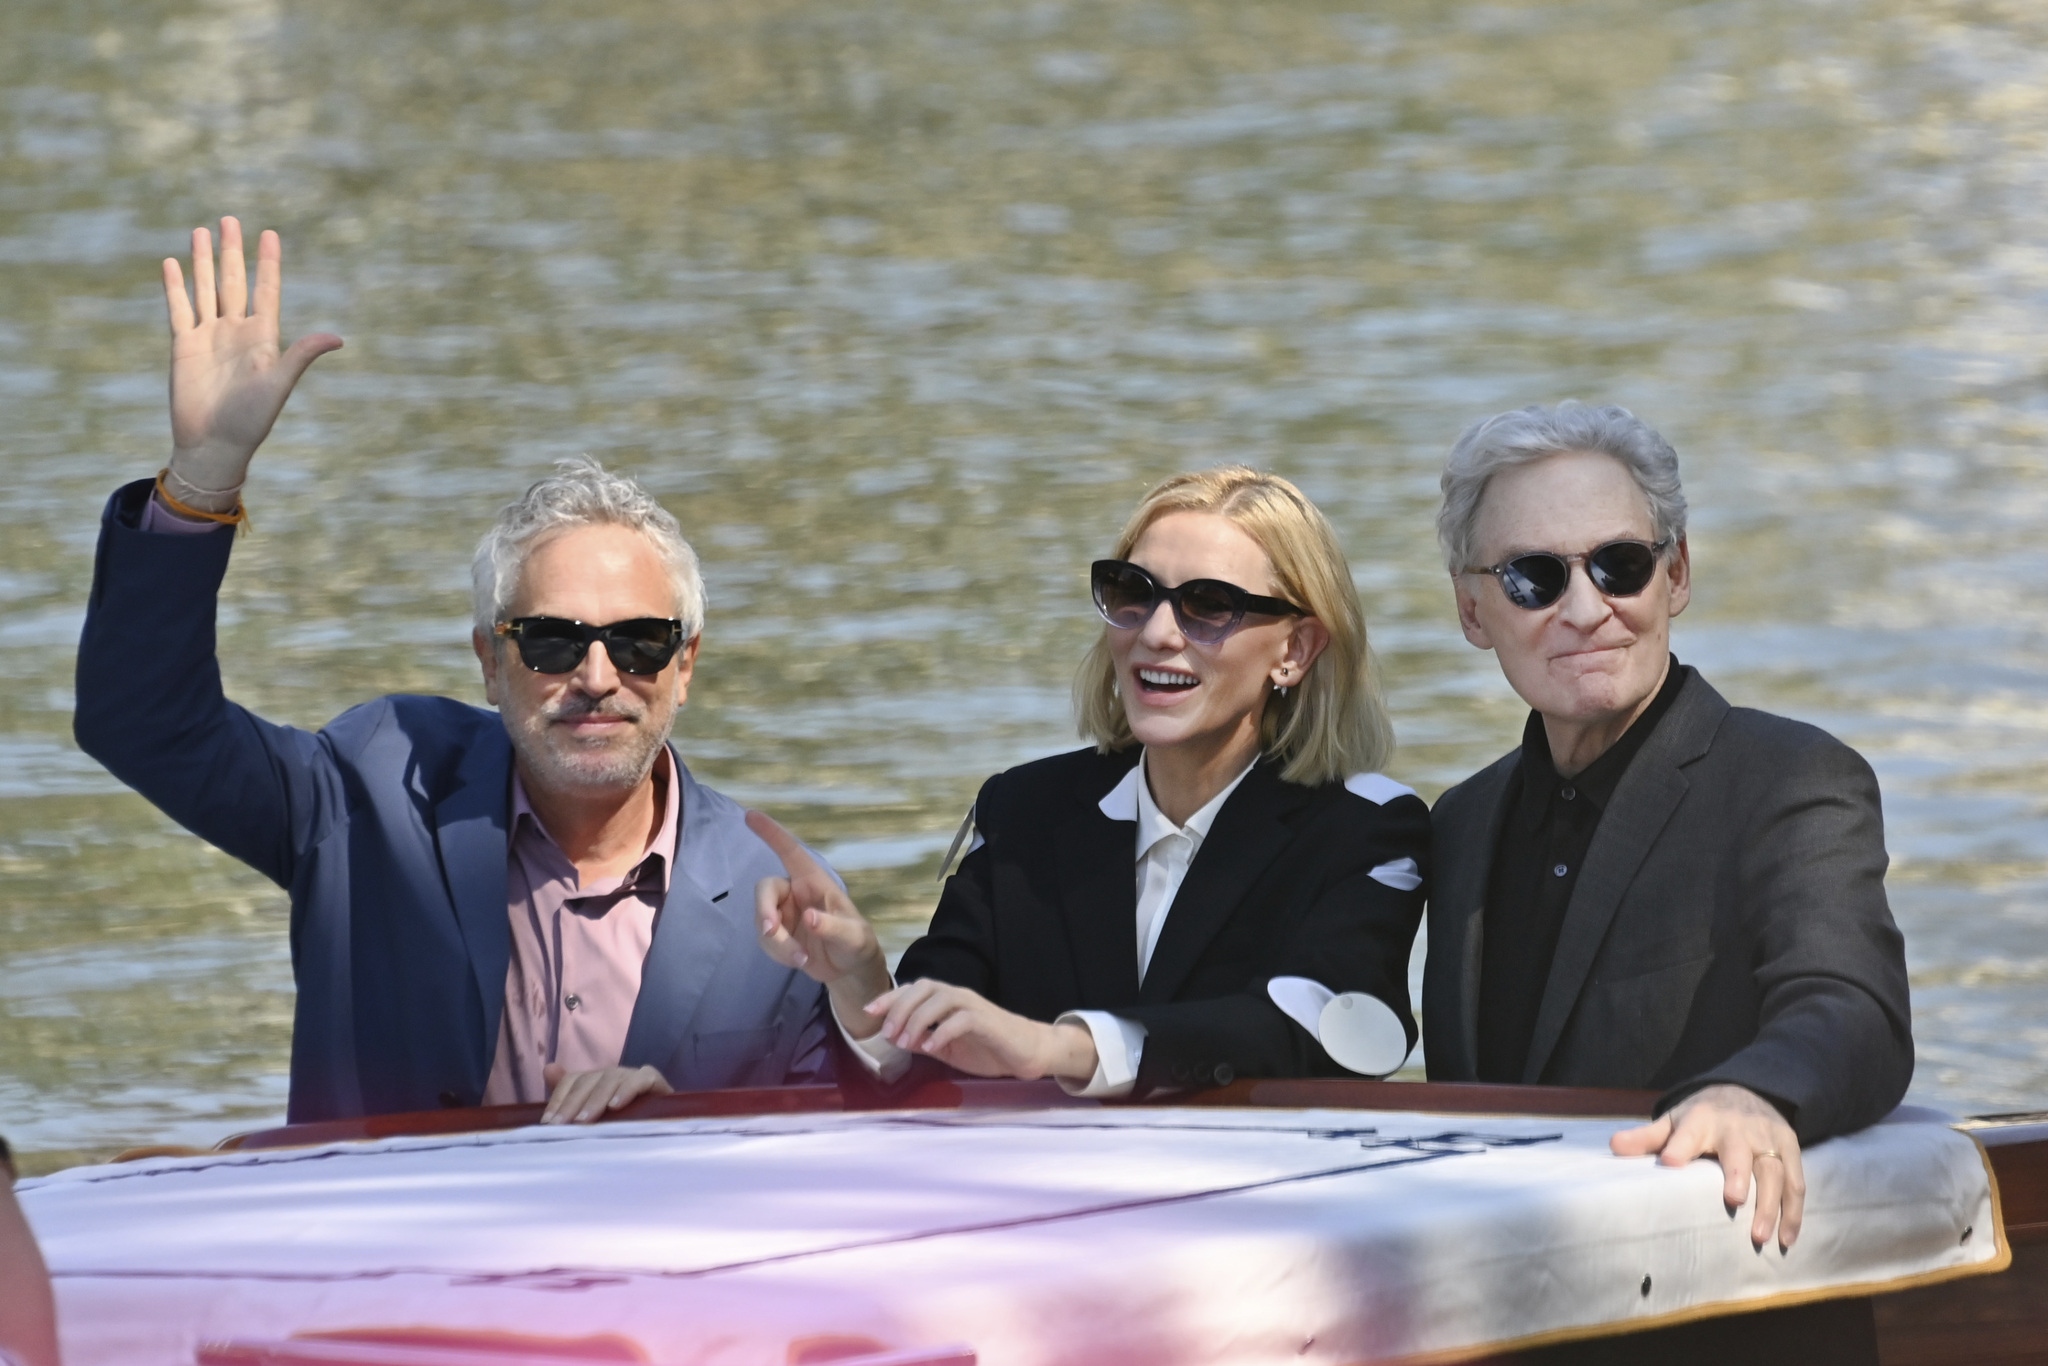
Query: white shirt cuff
x=1119 y=1045
x=881 y=1058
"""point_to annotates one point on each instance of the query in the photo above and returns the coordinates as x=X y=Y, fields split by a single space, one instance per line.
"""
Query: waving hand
x=228 y=379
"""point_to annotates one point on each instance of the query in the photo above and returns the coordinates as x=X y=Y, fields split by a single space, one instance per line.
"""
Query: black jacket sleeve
x=1835 y=1046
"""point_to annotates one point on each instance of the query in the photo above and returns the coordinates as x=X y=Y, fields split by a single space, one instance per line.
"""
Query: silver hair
x=580 y=492
x=1506 y=440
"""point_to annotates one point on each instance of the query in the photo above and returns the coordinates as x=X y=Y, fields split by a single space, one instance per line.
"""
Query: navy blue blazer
x=388 y=828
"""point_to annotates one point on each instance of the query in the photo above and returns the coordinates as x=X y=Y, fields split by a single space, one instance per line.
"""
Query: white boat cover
x=1179 y=1237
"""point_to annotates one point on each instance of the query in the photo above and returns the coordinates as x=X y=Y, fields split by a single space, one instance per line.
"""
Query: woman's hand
x=228 y=380
x=964 y=1029
x=806 y=921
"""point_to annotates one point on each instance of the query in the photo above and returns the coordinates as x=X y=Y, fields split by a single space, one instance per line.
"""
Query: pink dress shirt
x=157 y=517
x=577 y=950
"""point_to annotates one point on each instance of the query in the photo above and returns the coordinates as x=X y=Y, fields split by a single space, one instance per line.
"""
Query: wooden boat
x=1952 y=1317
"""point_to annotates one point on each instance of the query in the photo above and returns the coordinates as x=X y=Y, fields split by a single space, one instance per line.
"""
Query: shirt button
x=1568 y=793
x=573 y=1000
x=1558 y=871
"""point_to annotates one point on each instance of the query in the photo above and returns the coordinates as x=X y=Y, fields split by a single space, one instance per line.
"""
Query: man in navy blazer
x=536 y=904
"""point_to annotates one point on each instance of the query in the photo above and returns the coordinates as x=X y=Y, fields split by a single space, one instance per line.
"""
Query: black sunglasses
x=556 y=645
x=1537 y=578
x=1207 y=609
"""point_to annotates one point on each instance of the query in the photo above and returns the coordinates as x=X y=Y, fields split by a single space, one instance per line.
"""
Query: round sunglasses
x=556 y=645
x=1207 y=609
x=1536 y=578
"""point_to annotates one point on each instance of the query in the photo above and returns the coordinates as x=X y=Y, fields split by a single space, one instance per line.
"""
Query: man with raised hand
x=535 y=905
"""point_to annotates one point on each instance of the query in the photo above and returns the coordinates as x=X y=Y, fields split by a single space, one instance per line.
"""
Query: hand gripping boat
x=1004 y=1224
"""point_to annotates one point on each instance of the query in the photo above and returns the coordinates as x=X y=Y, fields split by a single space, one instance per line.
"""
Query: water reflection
x=900 y=303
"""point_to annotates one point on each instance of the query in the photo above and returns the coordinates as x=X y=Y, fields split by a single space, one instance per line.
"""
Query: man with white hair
x=1655 y=890
x=537 y=905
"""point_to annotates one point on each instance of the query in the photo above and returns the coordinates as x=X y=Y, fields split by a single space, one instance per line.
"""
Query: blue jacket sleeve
x=151 y=708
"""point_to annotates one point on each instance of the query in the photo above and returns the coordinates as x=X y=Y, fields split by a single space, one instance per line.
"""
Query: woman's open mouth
x=1165 y=682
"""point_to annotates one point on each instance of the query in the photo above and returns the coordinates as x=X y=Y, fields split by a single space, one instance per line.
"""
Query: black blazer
x=1042 y=917
x=1729 y=925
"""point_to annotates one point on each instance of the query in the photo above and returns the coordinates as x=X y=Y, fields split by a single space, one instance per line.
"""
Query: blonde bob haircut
x=1335 y=723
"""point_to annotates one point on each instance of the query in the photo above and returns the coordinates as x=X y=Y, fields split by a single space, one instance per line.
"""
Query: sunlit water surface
x=899 y=304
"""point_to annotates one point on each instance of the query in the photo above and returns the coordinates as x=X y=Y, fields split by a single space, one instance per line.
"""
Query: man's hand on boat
x=585 y=1097
x=808 y=922
x=1747 y=1135
x=229 y=381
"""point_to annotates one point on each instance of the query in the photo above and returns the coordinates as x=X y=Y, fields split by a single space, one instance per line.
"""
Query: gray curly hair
x=1526 y=434
x=580 y=492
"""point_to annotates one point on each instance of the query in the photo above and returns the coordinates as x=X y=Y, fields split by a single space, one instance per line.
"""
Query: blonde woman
x=1123 y=913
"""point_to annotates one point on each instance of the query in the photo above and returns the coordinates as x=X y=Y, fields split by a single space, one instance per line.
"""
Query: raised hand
x=1747 y=1136
x=228 y=379
x=806 y=921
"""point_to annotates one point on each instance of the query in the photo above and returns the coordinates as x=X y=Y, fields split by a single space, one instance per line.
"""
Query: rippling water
x=899 y=304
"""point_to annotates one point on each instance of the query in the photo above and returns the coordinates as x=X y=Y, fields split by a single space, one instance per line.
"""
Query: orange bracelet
x=239 y=517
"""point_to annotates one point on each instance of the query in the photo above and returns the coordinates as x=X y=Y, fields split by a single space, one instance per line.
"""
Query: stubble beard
x=555 y=760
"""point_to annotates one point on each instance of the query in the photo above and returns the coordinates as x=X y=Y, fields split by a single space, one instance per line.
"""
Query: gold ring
x=1768 y=1152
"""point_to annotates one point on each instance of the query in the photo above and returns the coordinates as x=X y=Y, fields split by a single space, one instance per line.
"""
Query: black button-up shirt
x=1549 y=827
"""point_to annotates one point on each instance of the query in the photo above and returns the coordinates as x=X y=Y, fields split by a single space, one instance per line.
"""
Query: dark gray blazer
x=1730 y=925
x=388 y=828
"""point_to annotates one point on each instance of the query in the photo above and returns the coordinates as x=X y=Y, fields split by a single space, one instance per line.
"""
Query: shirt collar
x=1131 y=800
x=1121 y=804
x=652 y=871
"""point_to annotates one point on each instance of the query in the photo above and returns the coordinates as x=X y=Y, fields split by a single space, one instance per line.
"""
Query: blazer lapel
x=693 y=935
x=469 y=829
x=1249 y=833
x=1643 y=802
x=1098 y=876
x=1462 y=866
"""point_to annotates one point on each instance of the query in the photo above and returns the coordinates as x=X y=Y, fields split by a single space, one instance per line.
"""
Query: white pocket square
x=1402 y=874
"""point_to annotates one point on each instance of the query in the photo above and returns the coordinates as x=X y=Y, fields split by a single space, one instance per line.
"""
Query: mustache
x=575 y=706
